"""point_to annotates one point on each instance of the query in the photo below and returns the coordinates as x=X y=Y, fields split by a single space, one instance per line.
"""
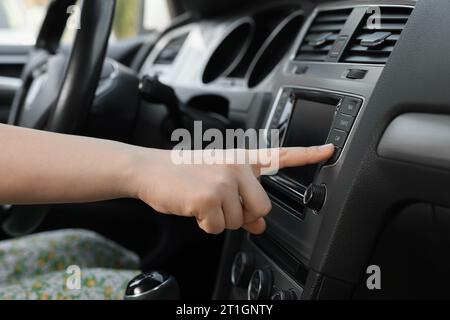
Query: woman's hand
x=219 y=196
x=40 y=167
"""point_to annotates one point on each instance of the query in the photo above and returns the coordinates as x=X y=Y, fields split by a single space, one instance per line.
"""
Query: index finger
x=271 y=160
x=297 y=157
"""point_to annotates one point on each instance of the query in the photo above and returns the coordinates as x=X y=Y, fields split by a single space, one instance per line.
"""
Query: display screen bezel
x=312 y=96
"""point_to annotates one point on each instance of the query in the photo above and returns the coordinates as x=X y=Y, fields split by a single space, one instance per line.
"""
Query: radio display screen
x=310 y=125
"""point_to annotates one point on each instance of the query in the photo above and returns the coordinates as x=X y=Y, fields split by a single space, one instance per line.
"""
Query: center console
x=307 y=72
x=322 y=91
x=304 y=117
x=308 y=118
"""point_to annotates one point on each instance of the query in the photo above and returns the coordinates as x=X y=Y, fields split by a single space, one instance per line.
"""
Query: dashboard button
x=338 y=138
x=299 y=70
x=284 y=295
x=242 y=269
x=344 y=122
x=315 y=197
x=276 y=120
x=335 y=158
x=351 y=106
x=338 y=46
x=261 y=283
x=356 y=74
x=279 y=110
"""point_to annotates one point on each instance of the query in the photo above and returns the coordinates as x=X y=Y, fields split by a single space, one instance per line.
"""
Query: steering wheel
x=58 y=89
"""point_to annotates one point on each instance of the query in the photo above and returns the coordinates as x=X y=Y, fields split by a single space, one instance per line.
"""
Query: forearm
x=39 y=167
x=44 y=168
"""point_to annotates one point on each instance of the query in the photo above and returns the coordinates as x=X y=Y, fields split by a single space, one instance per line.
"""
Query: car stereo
x=308 y=118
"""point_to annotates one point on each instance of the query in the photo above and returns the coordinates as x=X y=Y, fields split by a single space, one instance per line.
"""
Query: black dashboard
x=335 y=65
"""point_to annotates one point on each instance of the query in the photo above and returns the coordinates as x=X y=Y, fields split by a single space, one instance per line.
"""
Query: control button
x=314 y=197
x=284 y=98
x=299 y=70
x=338 y=46
x=284 y=295
x=276 y=120
x=351 y=106
x=278 y=295
x=337 y=137
x=279 y=110
x=336 y=155
x=242 y=269
x=293 y=294
x=260 y=287
x=356 y=74
x=344 y=122
x=277 y=115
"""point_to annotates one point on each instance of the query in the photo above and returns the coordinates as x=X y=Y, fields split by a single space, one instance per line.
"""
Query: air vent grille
x=322 y=35
x=374 y=45
x=171 y=51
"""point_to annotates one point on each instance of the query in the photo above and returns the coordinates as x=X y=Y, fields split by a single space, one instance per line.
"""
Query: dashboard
x=311 y=72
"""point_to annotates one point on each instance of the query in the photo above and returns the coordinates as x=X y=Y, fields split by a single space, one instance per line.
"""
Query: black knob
x=153 y=286
x=261 y=283
x=242 y=270
x=285 y=295
x=315 y=197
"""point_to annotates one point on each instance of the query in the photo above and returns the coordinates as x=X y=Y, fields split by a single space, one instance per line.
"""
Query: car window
x=20 y=20
x=157 y=15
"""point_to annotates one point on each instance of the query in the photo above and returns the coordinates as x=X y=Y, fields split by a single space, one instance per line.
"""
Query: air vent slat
x=386 y=49
x=392 y=37
x=324 y=49
x=374 y=46
x=393 y=16
x=326 y=27
x=312 y=36
x=333 y=18
x=322 y=35
x=387 y=26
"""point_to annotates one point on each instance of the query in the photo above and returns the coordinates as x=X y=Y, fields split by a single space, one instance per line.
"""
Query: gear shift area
x=153 y=285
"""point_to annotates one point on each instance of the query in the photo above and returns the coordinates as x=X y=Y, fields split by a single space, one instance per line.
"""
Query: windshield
x=20 y=20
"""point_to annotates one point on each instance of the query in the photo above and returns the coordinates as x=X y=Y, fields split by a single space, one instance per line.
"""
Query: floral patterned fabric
x=96 y=284
x=35 y=267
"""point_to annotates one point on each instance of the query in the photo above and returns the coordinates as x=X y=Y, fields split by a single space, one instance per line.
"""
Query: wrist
x=141 y=171
x=128 y=175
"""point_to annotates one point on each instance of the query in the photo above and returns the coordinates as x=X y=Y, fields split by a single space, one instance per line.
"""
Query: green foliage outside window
x=127 y=20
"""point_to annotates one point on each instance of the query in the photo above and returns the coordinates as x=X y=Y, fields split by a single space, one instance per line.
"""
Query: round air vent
x=275 y=48
x=230 y=51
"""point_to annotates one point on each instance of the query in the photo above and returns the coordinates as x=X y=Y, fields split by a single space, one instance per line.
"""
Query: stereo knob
x=261 y=283
x=315 y=197
x=284 y=295
x=242 y=269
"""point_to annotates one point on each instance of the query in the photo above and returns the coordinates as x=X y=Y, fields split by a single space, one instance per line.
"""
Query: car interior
x=369 y=76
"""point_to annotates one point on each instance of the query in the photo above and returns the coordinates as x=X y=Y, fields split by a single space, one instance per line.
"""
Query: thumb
x=258 y=227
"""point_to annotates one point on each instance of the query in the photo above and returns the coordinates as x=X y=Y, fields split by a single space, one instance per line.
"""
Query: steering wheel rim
x=57 y=91
x=80 y=73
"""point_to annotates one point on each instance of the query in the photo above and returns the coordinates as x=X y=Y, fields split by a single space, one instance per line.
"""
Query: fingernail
x=327 y=146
